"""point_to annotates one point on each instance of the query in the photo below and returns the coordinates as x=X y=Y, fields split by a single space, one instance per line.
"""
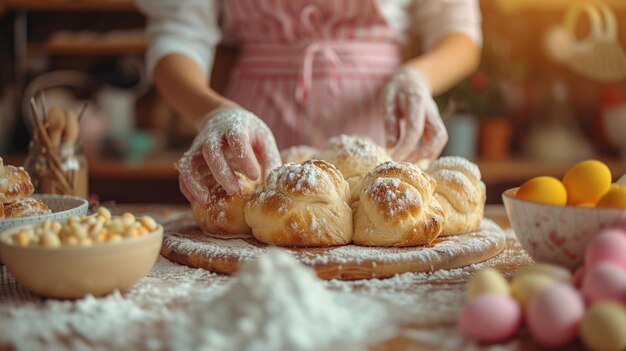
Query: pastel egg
x=490 y=318
x=551 y=270
x=603 y=282
x=609 y=245
x=485 y=281
x=614 y=198
x=603 y=328
x=586 y=182
x=524 y=287
x=547 y=190
x=554 y=313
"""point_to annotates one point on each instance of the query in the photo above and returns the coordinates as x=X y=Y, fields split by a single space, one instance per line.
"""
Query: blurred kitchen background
x=541 y=101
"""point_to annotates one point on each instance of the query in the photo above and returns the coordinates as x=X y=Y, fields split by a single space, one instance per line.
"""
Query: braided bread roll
x=15 y=184
x=354 y=157
x=224 y=214
x=297 y=154
x=460 y=192
x=27 y=207
x=301 y=205
x=396 y=207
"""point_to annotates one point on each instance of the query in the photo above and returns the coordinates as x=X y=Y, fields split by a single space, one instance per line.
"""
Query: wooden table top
x=427 y=331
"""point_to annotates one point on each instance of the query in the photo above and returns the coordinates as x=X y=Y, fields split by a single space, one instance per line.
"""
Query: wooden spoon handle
x=72 y=127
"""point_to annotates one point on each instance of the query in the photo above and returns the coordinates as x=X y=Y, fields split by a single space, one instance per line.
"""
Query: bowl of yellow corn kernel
x=82 y=255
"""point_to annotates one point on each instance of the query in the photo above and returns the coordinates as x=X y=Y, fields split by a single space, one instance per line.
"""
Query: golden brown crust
x=301 y=205
x=396 y=207
x=224 y=214
x=27 y=207
x=354 y=157
x=15 y=184
x=461 y=193
x=297 y=154
x=2 y=214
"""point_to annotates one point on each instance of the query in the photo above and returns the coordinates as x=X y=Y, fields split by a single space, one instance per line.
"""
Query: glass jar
x=47 y=180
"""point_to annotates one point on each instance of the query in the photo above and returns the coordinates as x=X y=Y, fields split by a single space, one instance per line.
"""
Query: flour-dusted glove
x=413 y=125
x=230 y=139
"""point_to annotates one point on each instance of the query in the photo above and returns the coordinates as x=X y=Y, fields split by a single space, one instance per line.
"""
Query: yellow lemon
x=547 y=190
x=614 y=198
x=586 y=182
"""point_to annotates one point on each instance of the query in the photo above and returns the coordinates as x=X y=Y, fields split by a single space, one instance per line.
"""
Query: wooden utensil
x=70 y=134
x=55 y=164
x=56 y=125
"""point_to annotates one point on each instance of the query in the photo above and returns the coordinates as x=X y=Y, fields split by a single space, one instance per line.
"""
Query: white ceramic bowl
x=62 y=206
x=73 y=272
x=557 y=234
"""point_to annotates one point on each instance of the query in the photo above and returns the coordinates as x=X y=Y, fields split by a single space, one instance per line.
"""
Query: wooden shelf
x=519 y=170
x=70 y=5
x=89 y=48
x=512 y=171
x=161 y=167
x=541 y=5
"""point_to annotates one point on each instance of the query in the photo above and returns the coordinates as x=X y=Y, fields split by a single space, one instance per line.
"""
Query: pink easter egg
x=490 y=318
x=554 y=313
x=609 y=245
x=605 y=281
x=579 y=276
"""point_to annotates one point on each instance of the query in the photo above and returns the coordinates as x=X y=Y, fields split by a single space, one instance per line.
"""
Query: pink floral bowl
x=557 y=234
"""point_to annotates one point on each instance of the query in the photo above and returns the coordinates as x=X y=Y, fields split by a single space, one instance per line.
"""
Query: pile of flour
x=276 y=303
x=273 y=303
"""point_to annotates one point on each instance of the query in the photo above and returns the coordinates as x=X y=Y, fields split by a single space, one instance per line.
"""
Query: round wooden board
x=186 y=244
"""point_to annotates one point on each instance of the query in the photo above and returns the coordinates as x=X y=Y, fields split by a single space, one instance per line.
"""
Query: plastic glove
x=230 y=139
x=412 y=122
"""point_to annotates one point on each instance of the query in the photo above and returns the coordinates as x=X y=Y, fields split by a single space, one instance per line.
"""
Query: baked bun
x=298 y=154
x=460 y=192
x=354 y=157
x=396 y=207
x=302 y=205
x=15 y=184
x=27 y=207
x=223 y=215
x=2 y=214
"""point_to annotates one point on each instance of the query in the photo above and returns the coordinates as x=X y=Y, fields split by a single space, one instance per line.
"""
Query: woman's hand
x=413 y=125
x=230 y=139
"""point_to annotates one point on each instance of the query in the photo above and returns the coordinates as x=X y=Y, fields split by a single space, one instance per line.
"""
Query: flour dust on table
x=274 y=303
x=159 y=312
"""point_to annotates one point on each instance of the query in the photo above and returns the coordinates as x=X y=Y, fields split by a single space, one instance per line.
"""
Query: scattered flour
x=169 y=307
x=275 y=303
x=187 y=240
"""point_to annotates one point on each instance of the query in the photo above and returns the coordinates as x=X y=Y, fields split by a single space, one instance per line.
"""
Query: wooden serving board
x=186 y=244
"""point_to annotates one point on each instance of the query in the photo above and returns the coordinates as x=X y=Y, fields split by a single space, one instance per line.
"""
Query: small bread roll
x=298 y=154
x=2 y=213
x=302 y=205
x=15 y=184
x=354 y=157
x=460 y=192
x=27 y=207
x=224 y=214
x=396 y=207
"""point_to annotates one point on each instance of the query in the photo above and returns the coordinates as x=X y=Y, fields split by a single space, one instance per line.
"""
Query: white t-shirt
x=192 y=27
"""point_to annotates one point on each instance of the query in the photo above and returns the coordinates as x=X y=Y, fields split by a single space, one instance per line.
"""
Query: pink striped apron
x=312 y=69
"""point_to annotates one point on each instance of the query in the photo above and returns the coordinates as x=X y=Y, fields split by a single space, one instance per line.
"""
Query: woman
x=308 y=70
